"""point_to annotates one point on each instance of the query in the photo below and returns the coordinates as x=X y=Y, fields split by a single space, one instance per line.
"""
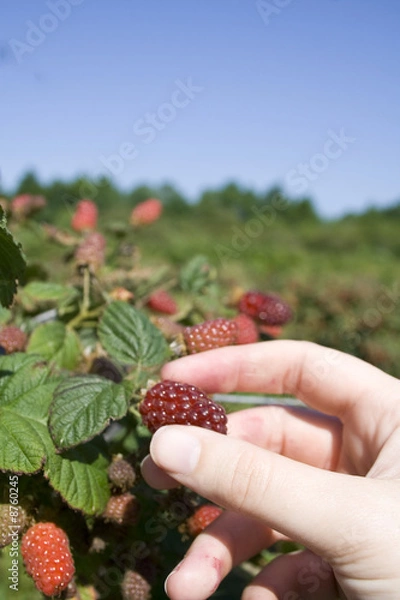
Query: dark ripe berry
x=47 y=558
x=105 y=368
x=210 y=334
x=161 y=301
x=268 y=309
x=13 y=339
x=201 y=518
x=135 y=586
x=121 y=474
x=173 y=403
x=247 y=329
x=122 y=509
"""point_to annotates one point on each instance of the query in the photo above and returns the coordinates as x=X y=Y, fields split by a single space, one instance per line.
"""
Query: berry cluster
x=85 y=216
x=91 y=251
x=267 y=309
x=162 y=302
x=202 y=518
x=146 y=212
x=122 y=509
x=210 y=334
x=121 y=474
x=47 y=558
x=13 y=339
x=135 y=586
x=170 y=402
x=25 y=205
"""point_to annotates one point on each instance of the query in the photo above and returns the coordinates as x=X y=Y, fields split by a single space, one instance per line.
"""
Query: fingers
x=304 y=503
x=228 y=541
x=297 y=575
x=298 y=433
x=325 y=379
x=281 y=430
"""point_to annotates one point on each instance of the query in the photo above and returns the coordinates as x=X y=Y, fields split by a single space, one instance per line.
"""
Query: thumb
x=317 y=508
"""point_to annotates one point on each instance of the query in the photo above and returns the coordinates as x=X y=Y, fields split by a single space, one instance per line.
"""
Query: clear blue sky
x=301 y=93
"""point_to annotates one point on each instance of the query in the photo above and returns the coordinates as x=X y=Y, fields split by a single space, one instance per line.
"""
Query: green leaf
x=5 y=315
x=12 y=263
x=82 y=407
x=26 y=391
x=56 y=343
x=80 y=476
x=130 y=337
x=196 y=274
x=43 y=294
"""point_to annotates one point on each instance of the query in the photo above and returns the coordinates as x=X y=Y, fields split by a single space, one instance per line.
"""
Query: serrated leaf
x=39 y=294
x=196 y=274
x=26 y=391
x=12 y=263
x=130 y=337
x=82 y=407
x=56 y=343
x=80 y=476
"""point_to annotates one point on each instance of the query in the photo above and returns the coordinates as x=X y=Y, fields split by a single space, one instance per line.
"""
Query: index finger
x=326 y=379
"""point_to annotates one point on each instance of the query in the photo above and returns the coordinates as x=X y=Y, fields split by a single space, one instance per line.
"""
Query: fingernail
x=174 y=450
x=178 y=566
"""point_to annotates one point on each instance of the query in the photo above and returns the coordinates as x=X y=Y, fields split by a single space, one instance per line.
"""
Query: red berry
x=25 y=205
x=273 y=331
x=146 y=212
x=162 y=302
x=268 y=309
x=135 y=586
x=91 y=251
x=202 y=517
x=47 y=558
x=13 y=339
x=173 y=403
x=122 y=509
x=210 y=334
x=85 y=216
x=247 y=329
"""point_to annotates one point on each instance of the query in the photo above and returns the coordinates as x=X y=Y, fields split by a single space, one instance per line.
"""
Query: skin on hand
x=327 y=476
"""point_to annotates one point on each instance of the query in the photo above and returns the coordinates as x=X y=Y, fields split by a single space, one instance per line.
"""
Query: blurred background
x=269 y=130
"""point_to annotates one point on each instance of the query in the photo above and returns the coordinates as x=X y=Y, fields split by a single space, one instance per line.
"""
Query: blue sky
x=300 y=93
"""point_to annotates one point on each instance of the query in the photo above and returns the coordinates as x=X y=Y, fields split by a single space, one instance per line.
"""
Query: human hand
x=327 y=477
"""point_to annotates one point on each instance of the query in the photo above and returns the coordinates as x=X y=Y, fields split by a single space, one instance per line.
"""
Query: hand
x=327 y=476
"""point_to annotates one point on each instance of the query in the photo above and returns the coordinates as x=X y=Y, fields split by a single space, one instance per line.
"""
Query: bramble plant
x=77 y=360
